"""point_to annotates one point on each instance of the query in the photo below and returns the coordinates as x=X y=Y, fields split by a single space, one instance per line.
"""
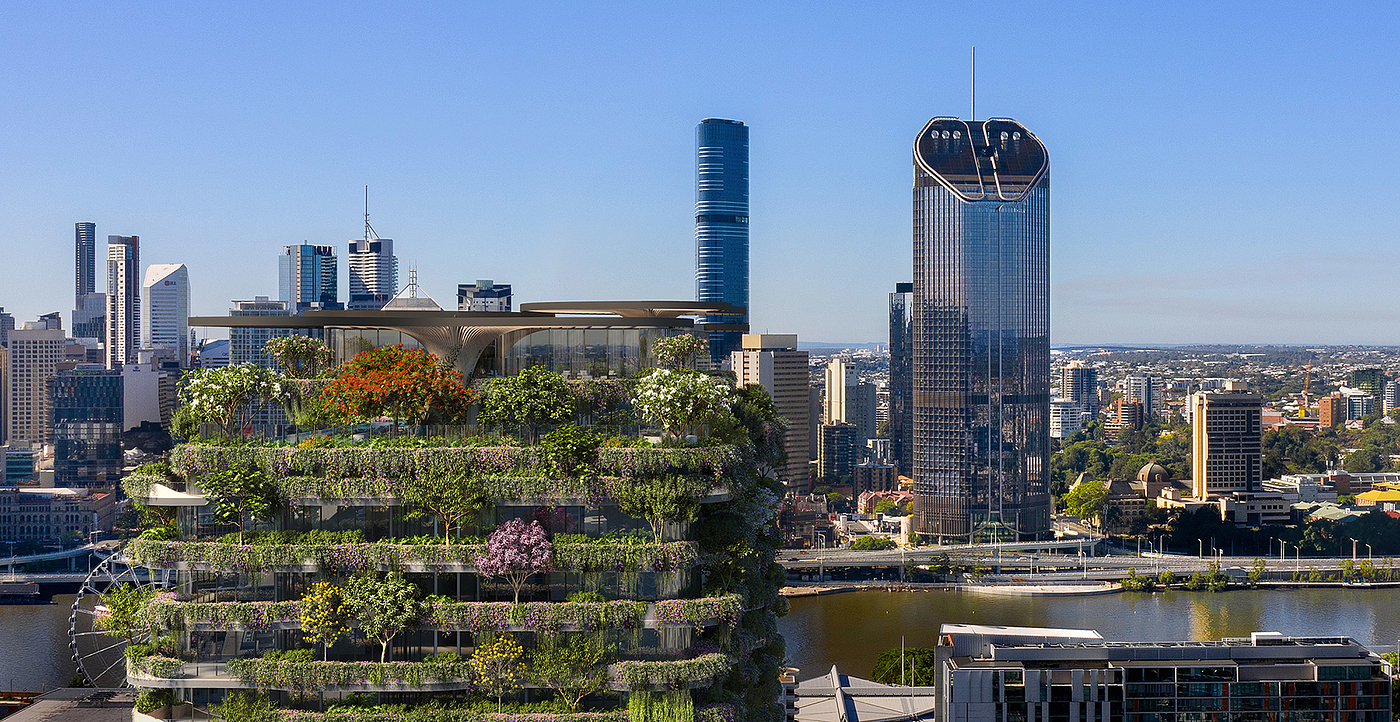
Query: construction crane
x=1307 y=379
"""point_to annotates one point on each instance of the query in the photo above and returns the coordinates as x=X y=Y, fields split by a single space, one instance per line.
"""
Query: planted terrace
x=262 y=548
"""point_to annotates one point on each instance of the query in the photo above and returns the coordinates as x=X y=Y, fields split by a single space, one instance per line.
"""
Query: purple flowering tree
x=516 y=551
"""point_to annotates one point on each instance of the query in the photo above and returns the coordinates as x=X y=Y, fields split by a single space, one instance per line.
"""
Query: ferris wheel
x=100 y=654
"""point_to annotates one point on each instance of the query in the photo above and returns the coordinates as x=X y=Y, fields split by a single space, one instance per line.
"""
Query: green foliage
x=886 y=506
x=1135 y=583
x=151 y=700
x=872 y=544
x=658 y=500
x=1166 y=578
x=238 y=492
x=1087 y=500
x=571 y=451
x=383 y=605
x=447 y=497
x=533 y=398
x=125 y=605
x=573 y=670
x=919 y=667
x=300 y=357
x=1257 y=571
x=184 y=425
x=586 y=597
x=1213 y=580
x=670 y=706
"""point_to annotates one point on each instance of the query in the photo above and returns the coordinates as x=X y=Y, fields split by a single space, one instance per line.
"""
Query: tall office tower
x=165 y=294
x=1226 y=440
x=88 y=411
x=981 y=331
x=35 y=353
x=52 y=321
x=1146 y=390
x=123 y=299
x=7 y=324
x=307 y=277
x=484 y=295
x=837 y=458
x=1079 y=382
x=901 y=426
x=374 y=274
x=1369 y=380
x=773 y=362
x=722 y=226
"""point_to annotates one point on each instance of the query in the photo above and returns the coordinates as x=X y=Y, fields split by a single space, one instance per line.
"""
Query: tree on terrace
x=533 y=398
x=323 y=616
x=403 y=384
x=449 y=498
x=517 y=551
x=238 y=492
x=384 y=606
x=574 y=670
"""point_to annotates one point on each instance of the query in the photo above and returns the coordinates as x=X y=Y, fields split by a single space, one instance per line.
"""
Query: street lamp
x=1200 y=548
x=1369 y=557
x=1353 y=549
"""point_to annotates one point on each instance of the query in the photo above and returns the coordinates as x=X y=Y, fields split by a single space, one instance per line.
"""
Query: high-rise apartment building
x=165 y=294
x=848 y=400
x=484 y=295
x=1331 y=410
x=89 y=304
x=901 y=424
x=1226 y=440
x=722 y=226
x=1079 y=382
x=88 y=416
x=1146 y=390
x=308 y=277
x=837 y=458
x=1390 y=399
x=374 y=273
x=1066 y=418
x=123 y=299
x=84 y=260
x=1371 y=381
x=7 y=324
x=773 y=362
x=981 y=331
x=35 y=354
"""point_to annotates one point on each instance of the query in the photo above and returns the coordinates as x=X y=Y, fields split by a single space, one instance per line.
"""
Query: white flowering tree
x=678 y=400
x=230 y=396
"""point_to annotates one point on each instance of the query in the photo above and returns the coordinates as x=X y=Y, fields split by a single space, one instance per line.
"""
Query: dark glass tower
x=981 y=331
x=901 y=424
x=722 y=226
x=85 y=261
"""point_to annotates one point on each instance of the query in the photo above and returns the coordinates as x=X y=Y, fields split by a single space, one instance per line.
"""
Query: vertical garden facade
x=565 y=572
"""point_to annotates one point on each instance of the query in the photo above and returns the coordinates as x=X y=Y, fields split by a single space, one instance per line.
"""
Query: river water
x=851 y=629
x=34 y=653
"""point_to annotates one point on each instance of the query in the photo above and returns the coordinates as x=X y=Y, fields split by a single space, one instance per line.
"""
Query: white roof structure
x=835 y=697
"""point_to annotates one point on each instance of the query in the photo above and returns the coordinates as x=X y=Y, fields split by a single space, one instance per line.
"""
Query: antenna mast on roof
x=974 y=102
x=370 y=235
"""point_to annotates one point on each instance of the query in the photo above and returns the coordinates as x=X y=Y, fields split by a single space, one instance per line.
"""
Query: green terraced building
x=689 y=597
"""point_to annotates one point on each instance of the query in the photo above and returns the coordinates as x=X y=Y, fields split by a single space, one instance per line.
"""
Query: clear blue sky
x=1220 y=171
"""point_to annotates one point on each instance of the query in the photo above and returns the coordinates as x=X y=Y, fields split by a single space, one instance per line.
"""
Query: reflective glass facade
x=901 y=424
x=722 y=225
x=87 y=427
x=981 y=331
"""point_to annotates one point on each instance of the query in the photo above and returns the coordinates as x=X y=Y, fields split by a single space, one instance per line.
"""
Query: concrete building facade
x=1226 y=441
x=123 y=299
x=165 y=294
x=773 y=362
x=35 y=355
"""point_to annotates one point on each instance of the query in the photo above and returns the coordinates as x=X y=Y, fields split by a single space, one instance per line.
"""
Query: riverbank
x=819 y=589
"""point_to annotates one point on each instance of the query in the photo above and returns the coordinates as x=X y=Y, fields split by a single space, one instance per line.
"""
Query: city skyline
x=1121 y=94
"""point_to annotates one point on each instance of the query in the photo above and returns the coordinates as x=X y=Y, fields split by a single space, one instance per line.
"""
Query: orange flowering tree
x=402 y=384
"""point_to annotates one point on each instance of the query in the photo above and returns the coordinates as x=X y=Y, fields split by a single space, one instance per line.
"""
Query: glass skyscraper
x=722 y=226
x=901 y=424
x=306 y=275
x=981 y=301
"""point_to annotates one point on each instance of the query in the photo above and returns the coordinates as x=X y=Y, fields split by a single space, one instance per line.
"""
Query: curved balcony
x=168 y=673
x=166 y=613
x=378 y=556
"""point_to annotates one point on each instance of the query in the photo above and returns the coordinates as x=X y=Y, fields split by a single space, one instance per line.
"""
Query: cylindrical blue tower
x=722 y=225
